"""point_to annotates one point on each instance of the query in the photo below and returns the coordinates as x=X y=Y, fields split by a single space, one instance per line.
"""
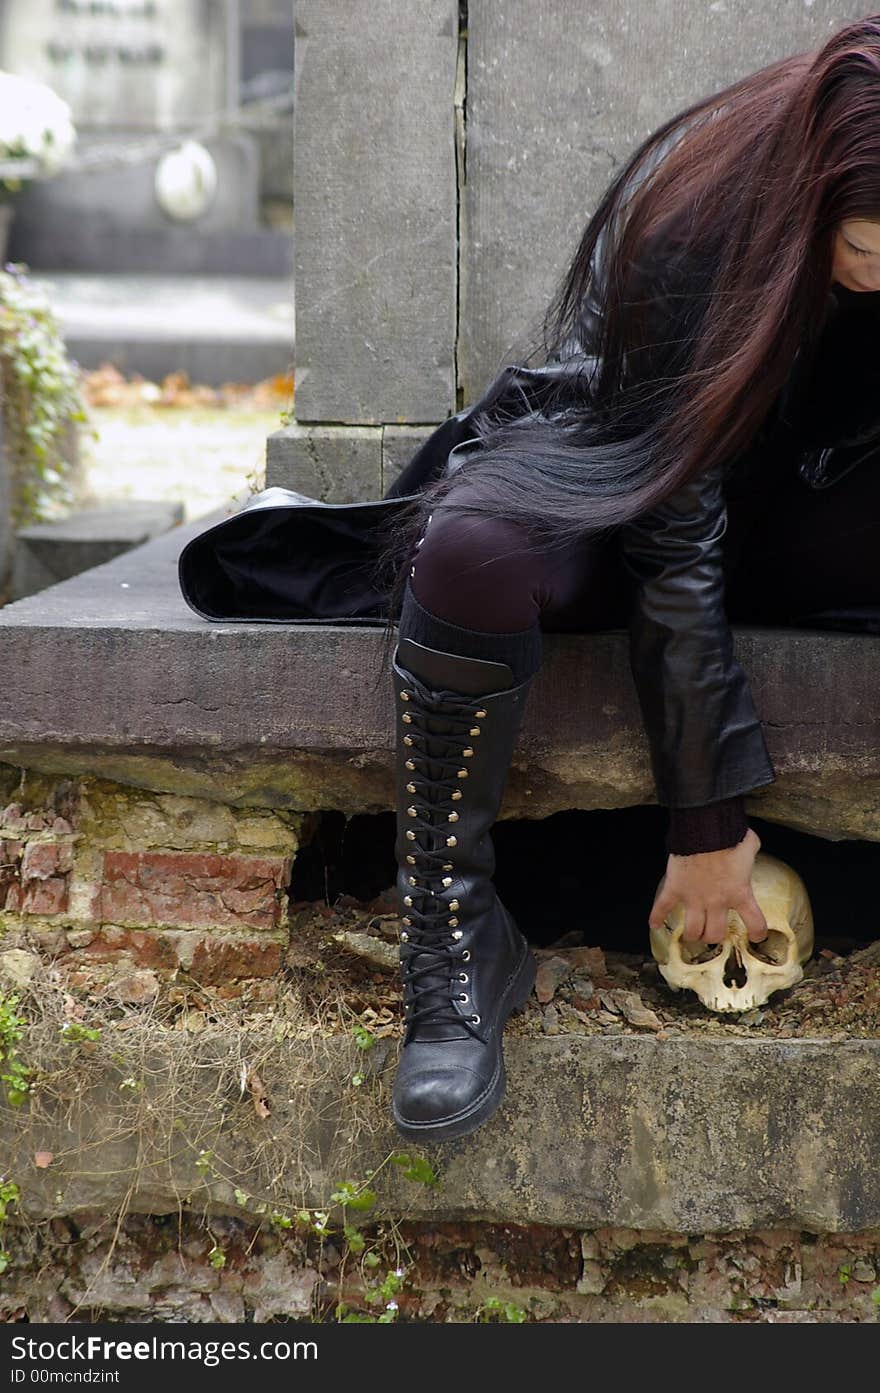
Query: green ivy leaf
x=354 y=1238
x=415 y=1168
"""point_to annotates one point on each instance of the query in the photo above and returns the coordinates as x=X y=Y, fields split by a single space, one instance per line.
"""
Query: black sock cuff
x=521 y=650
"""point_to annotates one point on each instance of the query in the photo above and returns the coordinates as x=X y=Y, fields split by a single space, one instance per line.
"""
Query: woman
x=699 y=443
x=712 y=365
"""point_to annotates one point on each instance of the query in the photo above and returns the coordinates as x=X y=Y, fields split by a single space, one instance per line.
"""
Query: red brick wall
x=128 y=878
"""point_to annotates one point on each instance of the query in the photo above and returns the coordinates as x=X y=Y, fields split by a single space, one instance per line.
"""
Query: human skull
x=736 y=975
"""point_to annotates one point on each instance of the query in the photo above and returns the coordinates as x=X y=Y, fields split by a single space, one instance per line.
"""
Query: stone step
x=684 y=1134
x=216 y=329
x=49 y=552
x=301 y=716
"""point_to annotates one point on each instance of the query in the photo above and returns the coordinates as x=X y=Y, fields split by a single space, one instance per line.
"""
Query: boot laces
x=431 y=937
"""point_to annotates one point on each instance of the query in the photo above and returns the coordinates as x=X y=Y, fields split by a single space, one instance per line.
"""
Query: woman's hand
x=710 y=884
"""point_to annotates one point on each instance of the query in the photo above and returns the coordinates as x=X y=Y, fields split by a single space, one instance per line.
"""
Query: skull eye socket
x=774 y=949
x=694 y=950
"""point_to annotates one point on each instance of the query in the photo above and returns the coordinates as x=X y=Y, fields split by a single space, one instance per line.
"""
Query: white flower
x=34 y=123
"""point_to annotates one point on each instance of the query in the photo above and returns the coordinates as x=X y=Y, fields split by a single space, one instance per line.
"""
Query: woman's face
x=856 y=257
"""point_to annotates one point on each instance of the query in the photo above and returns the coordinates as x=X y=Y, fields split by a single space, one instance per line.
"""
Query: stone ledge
x=676 y=1135
x=113 y=674
x=49 y=552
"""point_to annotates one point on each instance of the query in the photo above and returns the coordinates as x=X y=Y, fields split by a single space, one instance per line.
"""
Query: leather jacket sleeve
x=704 y=734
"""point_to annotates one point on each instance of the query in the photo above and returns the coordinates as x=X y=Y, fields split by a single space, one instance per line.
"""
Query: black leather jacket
x=704 y=733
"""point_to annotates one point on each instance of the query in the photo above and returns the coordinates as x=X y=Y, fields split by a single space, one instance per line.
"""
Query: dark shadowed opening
x=594 y=873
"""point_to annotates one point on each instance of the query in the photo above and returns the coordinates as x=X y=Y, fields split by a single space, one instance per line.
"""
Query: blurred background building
x=167 y=242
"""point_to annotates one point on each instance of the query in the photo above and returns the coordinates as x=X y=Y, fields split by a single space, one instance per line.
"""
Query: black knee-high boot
x=465 y=966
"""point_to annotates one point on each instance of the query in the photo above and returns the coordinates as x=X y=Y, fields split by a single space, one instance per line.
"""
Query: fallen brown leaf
x=258 y=1093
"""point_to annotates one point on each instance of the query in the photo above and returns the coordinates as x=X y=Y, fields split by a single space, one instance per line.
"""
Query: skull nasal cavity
x=735 y=974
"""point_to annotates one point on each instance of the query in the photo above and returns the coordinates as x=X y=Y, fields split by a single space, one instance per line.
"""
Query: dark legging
x=789 y=551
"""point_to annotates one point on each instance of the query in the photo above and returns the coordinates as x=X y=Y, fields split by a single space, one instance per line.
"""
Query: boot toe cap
x=437 y=1095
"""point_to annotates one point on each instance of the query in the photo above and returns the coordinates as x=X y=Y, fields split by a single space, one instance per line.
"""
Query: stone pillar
x=447 y=158
x=557 y=97
x=375 y=201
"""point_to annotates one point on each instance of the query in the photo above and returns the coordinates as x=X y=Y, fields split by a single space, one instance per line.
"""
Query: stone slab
x=154 y=695
x=174 y=251
x=375 y=196
x=338 y=464
x=215 y=328
x=399 y=444
x=122 y=195
x=682 y=1135
x=558 y=97
x=48 y=552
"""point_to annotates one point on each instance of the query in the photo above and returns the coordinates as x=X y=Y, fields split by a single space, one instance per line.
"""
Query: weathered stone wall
x=129 y=919
x=119 y=884
x=441 y=190
x=176 y=1270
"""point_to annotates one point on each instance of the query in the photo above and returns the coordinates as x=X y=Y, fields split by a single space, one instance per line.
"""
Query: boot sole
x=463 y=1123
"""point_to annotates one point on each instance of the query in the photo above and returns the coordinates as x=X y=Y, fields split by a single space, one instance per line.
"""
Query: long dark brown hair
x=694 y=342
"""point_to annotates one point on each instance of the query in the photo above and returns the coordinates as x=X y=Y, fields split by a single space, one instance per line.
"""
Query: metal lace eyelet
x=407 y=717
x=475 y=1020
x=448 y=866
x=453 y=817
x=453 y=921
x=404 y=695
x=407 y=900
x=463 y=996
x=456 y=794
x=466 y=955
x=413 y=812
x=467 y=752
x=410 y=764
x=411 y=860
x=474 y=730
x=411 y=879
x=411 y=788
x=452 y=841
x=481 y=713
x=408 y=740
x=455 y=904
x=404 y=937
x=411 y=836
x=459 y=933
x=462 y=774
x=462 y=977
x=406 y=920
x=447 y=880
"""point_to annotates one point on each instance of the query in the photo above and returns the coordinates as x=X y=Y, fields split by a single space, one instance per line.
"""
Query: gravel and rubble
x=583 y=989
